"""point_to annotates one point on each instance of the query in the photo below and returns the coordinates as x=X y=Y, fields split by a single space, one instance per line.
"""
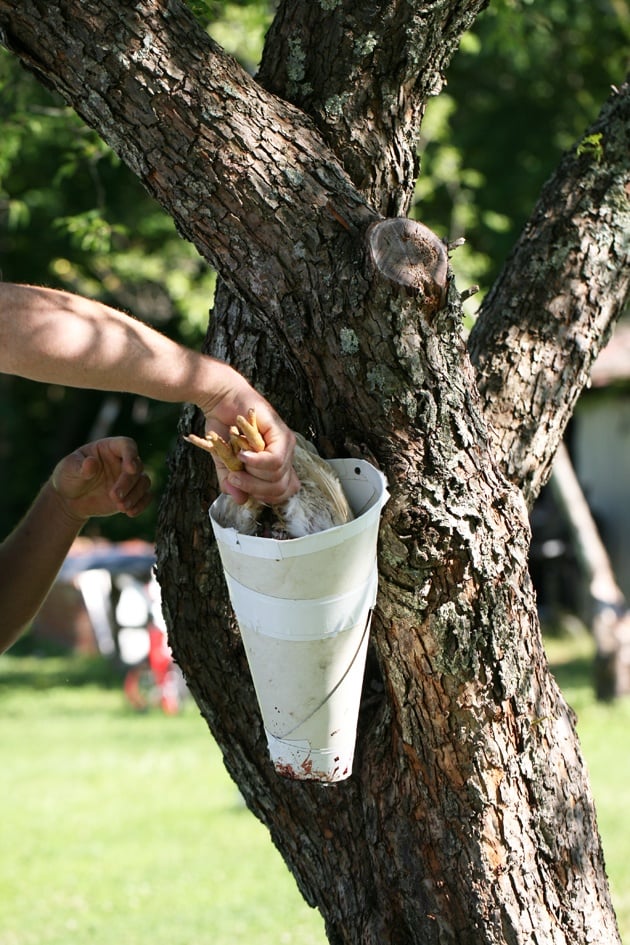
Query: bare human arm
x=98 y=479
x=61 y=338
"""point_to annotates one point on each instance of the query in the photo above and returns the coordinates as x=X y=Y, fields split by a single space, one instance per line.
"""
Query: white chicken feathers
x=319 y=504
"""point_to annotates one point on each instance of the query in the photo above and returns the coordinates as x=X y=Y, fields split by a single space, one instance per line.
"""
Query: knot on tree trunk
x=409 y=254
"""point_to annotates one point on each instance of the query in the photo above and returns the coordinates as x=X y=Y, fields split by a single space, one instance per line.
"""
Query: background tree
x=469 y=817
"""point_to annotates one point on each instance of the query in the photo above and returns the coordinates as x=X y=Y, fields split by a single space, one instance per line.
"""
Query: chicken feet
x=319 y=504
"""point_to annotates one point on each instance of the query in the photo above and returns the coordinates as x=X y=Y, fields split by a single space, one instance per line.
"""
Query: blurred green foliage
x=239 y=26
x=527 y=81
x=524 y=86
x=72 y=216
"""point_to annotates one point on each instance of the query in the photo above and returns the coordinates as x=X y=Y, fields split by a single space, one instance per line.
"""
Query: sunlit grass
x=125 y=828
x=603 y=730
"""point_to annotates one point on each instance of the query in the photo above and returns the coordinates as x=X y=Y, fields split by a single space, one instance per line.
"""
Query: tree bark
x=379 y=63
x=469 y=817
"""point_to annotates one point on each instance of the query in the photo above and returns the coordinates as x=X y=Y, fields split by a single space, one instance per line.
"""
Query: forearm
x=30 y=559
x=60 y=338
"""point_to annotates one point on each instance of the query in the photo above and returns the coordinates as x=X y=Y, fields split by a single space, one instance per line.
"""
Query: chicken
x=319 y=504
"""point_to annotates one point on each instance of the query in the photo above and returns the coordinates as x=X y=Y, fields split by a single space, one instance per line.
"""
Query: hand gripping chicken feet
x=319 y=504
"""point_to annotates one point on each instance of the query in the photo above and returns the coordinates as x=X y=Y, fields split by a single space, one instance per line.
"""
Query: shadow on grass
x=571 y=657
x=44 y=666
x=576 y=673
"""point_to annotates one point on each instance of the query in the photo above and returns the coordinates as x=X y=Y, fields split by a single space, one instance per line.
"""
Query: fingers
x=242 y=485
x=137 y=498
x=237 y=494
x=267 y=474
x=104 y=477
x=264 y=477
x=126 y=450
x=88 y=465
x=131 y=489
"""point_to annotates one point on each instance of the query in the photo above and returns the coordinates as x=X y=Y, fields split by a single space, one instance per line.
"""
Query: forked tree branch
x=366 y=80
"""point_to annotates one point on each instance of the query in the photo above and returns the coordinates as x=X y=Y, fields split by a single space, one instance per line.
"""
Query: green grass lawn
x=604 y=731
x=124 y=828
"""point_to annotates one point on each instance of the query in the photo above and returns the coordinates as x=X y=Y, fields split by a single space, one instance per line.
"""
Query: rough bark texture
x=469 y=817
x=379 y=61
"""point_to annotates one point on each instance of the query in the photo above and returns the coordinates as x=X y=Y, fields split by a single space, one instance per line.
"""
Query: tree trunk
x=609 y=617
x=469 y=817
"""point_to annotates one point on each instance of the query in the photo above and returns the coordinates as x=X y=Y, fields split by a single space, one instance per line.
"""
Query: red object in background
x=157 y=680
x=106 y=600
x=163 y=669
